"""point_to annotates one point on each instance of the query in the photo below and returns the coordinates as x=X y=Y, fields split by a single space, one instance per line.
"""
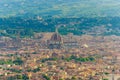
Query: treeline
x=28 y=26
x=80 y=59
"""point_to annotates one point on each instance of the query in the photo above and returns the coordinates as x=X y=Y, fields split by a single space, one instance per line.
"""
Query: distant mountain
x=60 y=8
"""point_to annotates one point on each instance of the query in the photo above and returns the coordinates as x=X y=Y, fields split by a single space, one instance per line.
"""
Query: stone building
x=70 y=41
x=67 y=41
x=55 y=42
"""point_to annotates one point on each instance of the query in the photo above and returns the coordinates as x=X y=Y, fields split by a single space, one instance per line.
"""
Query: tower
x=55 y=41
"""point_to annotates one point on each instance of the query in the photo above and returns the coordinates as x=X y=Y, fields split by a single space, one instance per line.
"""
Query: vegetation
x=5 y=62
x=105 y=79
x=106 y=73
x=20 y=77
x=36 y=70
x=59 y=8
x=15 y=70
x=80 y=59
x=26 y=27
x=18 y=61
x=46 y=77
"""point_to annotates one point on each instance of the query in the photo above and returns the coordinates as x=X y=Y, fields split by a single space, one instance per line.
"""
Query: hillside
x=94 y=17
x=78 y=26
x=60 y=8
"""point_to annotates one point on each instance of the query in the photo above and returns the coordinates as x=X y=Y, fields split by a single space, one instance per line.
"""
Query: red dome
x=56 y=37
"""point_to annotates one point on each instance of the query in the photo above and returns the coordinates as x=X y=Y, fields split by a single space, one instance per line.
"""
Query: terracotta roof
x=56 y=37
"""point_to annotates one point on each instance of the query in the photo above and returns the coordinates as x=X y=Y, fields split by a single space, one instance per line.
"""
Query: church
x=59 y=42
x=55 y=41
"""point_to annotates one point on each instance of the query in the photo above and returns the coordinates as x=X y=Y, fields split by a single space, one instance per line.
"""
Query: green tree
x=73 y=78
x=46 y=77
x=18 y=61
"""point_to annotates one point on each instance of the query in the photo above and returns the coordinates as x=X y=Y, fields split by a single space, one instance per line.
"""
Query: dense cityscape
x=59 y=40
x=51 y=56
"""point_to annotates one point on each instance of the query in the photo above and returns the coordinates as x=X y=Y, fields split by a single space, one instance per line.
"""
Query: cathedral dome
x=56 y=37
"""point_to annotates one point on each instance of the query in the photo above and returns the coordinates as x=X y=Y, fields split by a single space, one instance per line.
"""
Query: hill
x=78 y=26
x=94 y=17
x=60 y=8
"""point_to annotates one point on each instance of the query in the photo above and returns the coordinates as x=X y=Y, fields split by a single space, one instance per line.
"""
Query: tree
x=73 y=78
x=18 y=61
x=46 y=77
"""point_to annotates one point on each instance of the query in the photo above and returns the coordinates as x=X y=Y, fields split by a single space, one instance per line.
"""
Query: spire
x=56 y=30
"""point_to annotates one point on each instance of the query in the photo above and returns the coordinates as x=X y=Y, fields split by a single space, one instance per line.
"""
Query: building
x=55 y=42
x=67 y=41
x=70 y=41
